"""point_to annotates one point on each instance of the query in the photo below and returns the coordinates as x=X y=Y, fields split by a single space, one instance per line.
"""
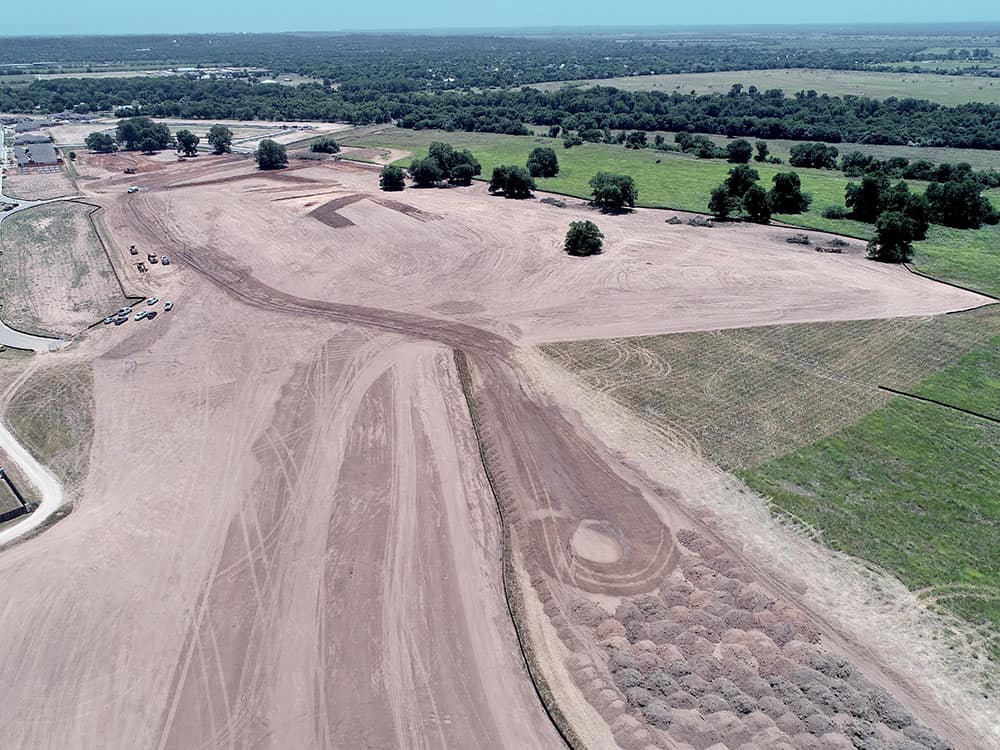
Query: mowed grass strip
x=950 y=90
x=913 y=488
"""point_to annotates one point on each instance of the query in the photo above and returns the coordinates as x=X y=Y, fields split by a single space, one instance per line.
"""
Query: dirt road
x=287 y=538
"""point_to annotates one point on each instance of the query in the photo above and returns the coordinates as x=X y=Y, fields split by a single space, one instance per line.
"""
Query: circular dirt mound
x=596 y=541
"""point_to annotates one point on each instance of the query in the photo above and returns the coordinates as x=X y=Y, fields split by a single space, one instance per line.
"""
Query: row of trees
x=143 y=134
x=758 y=115
x=741 y=194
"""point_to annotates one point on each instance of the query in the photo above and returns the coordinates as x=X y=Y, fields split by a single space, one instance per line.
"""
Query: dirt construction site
x=337 y=498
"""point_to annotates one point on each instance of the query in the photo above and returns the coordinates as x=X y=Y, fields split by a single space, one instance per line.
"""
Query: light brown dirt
x=38 y=184
x=286 y=538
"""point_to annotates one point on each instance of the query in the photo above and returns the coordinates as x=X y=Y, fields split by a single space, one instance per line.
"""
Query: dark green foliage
x=270 y=155
x=142 y=133
x=867 y=199
x=960 y=205
x=636 y=139
x=325 y=146
x=102 y=143
x=816 y=155
x=739 y=151
x=220 y=138
x=836 y=212
x=893 y=242
x=426 y=172
x=786 y=196
x=572 y=139
x=458 y=167
x=756 y=206
x=612 y=192
x=584 y=238
x=763 y=152
x=513 y=181
x=699 y=145
x=542 y=162
x=187 y=142
x=553 y=131
x=721 y=204
x=740 y=178
x=914 y=207
x=392 y=178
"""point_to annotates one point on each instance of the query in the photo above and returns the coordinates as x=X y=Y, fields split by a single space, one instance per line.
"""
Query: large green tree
x=893 y=242
x=187 y=142
x=102 y=143
x=867 y=198
x=584 y=238
x=139 y=132
x=913 y=206
x=426 y=172
x=392 y=178
x=786 y=196
x=613 y=192
x=513 y=181
x=271 y=155
x=542 y=162
x=756 y=205
x=960 y=204
x=739 y=180
x=739 y=151
x=455 y=165
x=220 y=138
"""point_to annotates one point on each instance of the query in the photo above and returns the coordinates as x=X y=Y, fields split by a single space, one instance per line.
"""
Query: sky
x=178 y=16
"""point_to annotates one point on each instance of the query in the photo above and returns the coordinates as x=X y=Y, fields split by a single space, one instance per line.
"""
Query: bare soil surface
x=286 y=537
x=56 y=277
x=38 y=184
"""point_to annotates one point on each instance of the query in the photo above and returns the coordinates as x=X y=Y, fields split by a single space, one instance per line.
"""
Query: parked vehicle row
x=123 y=313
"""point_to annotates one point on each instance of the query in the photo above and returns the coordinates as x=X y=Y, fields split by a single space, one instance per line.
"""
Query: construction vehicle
x=165 y=260
x=133 y=189
x=141 y=266
x=151 y=257
x=132 y=250
x=129 y=170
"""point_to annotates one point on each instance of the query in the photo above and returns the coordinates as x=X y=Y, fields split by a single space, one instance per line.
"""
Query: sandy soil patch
x=37 y=185
x=596 y=542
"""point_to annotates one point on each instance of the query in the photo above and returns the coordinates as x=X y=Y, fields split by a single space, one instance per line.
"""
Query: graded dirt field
x=943 y=89
x=38 y=184
x=55 y=277
x=287 y=537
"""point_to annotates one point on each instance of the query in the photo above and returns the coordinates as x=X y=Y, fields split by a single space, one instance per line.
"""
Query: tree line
x=748 y=113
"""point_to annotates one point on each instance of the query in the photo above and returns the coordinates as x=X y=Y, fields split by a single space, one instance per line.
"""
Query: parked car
x=119 y=319
x=125 y=311
x=150 y=314
x=109 y=320
x=168 y=306
x=165 y=260
x=152 y=300
x=133 y=190
x=141 y=314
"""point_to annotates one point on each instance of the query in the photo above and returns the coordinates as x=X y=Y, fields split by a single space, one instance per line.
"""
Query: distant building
x=36 y=155
x=28 y=138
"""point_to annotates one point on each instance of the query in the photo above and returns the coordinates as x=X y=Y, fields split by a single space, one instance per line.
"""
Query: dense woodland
x=459 y=61
x=743 y=112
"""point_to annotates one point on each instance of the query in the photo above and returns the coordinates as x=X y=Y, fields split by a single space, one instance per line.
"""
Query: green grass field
x=944 y=89
x=913 y=487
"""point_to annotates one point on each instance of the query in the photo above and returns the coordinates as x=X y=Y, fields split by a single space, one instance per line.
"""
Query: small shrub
x=836 y=212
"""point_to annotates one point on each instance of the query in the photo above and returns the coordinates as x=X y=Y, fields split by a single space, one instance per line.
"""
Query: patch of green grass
x=973 y=383
x=912 y=487
x=944 y=89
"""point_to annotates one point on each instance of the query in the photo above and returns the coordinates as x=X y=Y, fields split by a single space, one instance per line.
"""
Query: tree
x=426 y=172
x=220 y=138
x=462 y=174
x=786 y=197
x=612 y=192
x=959 y=204
x=392 y=178
x=867 y=199
x=513 y=181
x=553 y=131
x=542 y=162
x=572 y=139
x=325 y=146
x=762 y=152
x=756 y=205
x=636 y=139
x=739 y=151
x=893 y=238
x=148 y=146
x=740 y=178
x=721 y=204
x=448 y=160
x=914 y=207
x=102 y=143
x=137 y=132
x=187 y=142
x=584 y=238
x=817 y=155
x=271 y=155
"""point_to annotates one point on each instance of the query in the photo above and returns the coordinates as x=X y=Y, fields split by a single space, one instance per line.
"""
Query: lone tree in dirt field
x=271 y=155
x=584 y=238
x=392 y=178
x=187 y=142
x=893 y=237
x=542 y=162
x=513 y=181
x=426 y=172
x=220 y=138
x=612 y=192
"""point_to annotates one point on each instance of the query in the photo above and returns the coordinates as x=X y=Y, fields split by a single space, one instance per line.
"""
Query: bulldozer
x=141 y=266
x=129 y=170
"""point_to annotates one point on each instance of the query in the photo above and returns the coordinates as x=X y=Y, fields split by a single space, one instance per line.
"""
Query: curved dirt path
x=44 y=481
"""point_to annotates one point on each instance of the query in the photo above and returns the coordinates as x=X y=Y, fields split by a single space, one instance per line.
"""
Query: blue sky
x=176 y=16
